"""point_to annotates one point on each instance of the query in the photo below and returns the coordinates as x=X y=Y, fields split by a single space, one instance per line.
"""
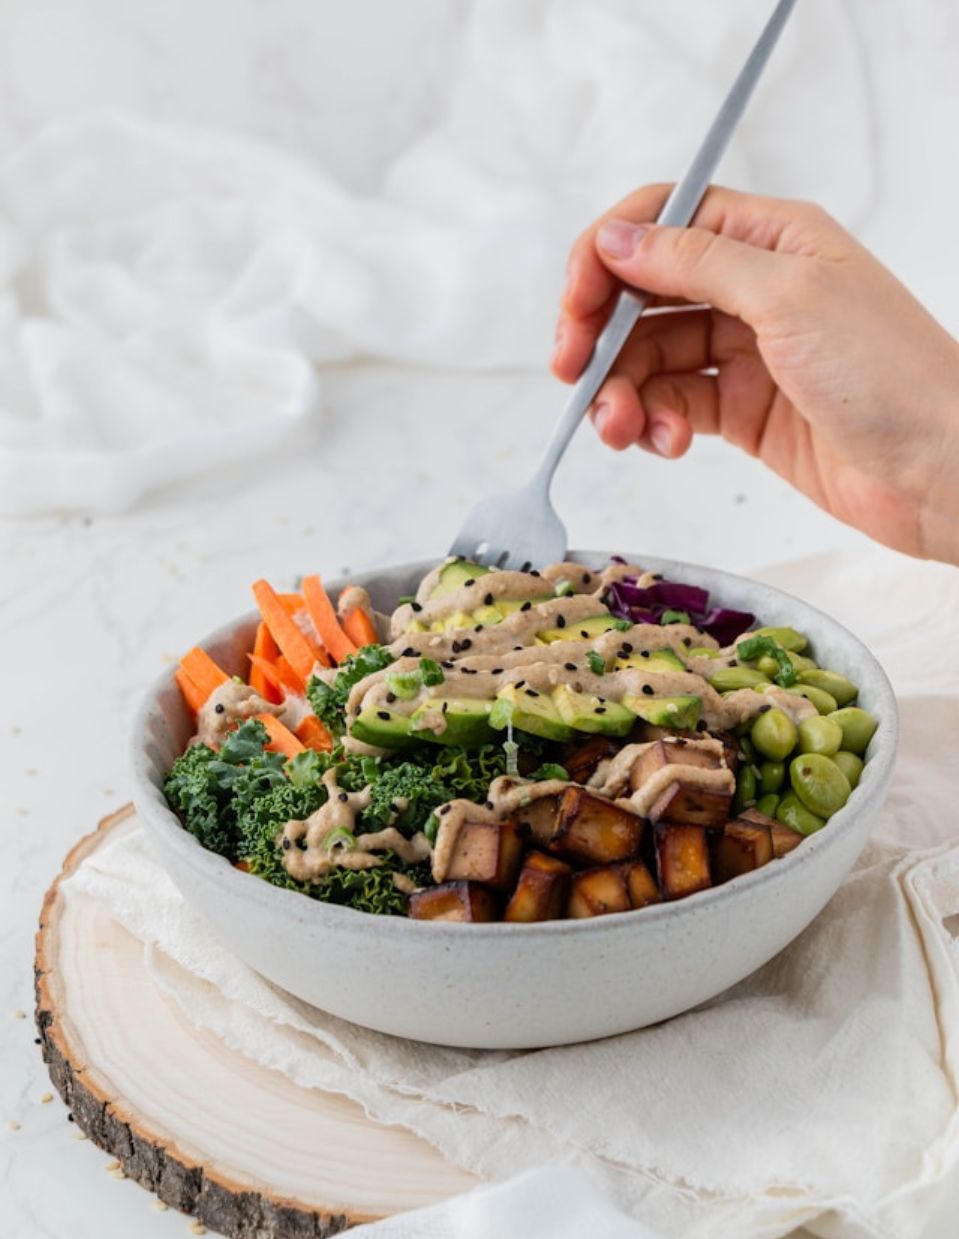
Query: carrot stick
x=299 y=652
x=320 y=610
x=279 y=676
x=265 y=652
x=314 y=735
x=282 y=740
x=289 y=678
x=292 y=602
x=203 y=671
x=191 y=694
x=359 y=627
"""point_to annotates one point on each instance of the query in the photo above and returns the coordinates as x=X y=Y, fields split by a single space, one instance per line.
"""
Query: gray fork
x=521 y=529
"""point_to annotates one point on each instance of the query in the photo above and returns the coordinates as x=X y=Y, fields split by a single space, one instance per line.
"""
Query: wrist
x=939 y=497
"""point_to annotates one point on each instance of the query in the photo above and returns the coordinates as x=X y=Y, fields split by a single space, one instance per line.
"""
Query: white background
x=863 y=115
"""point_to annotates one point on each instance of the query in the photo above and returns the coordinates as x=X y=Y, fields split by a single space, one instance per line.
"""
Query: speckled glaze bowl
x=518 y=986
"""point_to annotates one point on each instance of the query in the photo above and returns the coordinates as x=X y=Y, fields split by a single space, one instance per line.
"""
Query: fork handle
x=679 y=209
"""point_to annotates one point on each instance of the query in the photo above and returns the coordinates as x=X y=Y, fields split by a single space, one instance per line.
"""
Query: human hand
x=808 y=354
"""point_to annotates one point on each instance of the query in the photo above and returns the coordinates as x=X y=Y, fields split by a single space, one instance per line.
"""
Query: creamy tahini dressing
x=226 y=706
x=612 y=776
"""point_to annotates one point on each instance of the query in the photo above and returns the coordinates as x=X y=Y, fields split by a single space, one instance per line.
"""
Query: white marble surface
x=90 y=610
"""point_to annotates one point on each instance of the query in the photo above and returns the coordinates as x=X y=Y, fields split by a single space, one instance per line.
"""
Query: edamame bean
x=850 y=765
x=747 y=749
x=858 y=728
x=728 y=679
x=821 y=700
x=819 y=735
x=746 y=787
x=774 y=734
x=700 y=651
x=788 y=638
x=836 y=685
x=793 y=813
x=771 y=775
x=768 y=804
x=819 y=783
x=801 y=662
x=767 y=665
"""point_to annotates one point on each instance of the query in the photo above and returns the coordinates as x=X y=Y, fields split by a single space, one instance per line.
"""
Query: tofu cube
x=739 y=848
x=454 y=901
x=592 y=830
x=539 y=818
x=784 y=837
x=582 y=759
x=542 y=890
x=641 y=885
x=489 y=852
x=595 y=892
x=677 y=752
x=682 y=860
x=686 y=805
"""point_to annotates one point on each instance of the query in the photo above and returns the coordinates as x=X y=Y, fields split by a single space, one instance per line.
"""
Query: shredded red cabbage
x=647 y=605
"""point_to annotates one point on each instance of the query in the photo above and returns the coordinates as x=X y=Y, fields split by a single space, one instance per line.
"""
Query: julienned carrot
x=292 y=602
x=265 y=653
x=314 y=735
x=320 y=610
x=203 y=671
x=282 y=740
x=359 y=627
x=299 y=652
x=278 y=676
x=191 y=694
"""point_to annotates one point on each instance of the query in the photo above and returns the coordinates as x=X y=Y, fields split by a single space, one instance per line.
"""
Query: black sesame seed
x=394 y=807
x=534 y=572
x=478 y=628
x=520 y=683
x=383 y=714
x=302 y=844
x=391 y=697
x=680 y=742
x=447 y=663
x=516 y=647
x=488 y=804
x=531 y=692
x=600 y=710
x=687 y=641
x=342 y=797
x=733 y=662
x=648 y=690
x=763 y=709
x=657 y=576
x=70 y=1118
x=444 y=809
x=466 y=643
x=701 y=725
x=587 y=578
x=583 y=633
x=446 y=706
x=526 y=606
x=416 y=606
x=456 y=647
x=497 y=671
x=469 y=671
x=570 y=666
x=471 y=581
x=409 y=652
x=645 y=653
x=286 y=845
x=488 y=600
x=220 y=707
x=36 y=1041
x=627 y=648
x=356 y=709
x=560 y=621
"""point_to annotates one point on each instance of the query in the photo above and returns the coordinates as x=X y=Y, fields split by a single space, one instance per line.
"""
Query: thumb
x=692 y=263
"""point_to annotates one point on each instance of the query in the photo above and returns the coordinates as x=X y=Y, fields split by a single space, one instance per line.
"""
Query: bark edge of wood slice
x=234 y=1204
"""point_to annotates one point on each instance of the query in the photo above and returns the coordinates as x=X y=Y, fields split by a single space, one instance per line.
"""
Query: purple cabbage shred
x=647 y=605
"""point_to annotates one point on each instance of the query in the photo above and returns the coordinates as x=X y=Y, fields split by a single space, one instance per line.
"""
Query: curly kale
x=329 y=701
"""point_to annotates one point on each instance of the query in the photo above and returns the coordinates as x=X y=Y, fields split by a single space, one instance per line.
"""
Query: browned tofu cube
x=784 y=839
x=643 y=732
x=582 y=759
x=594 y=892
x=730 y=749
x=640 y=884
x=542 y=890
x=454 y=901
x=488 y=852
x=687 y=805
x=539 y=818
x=593 y=830
x=740 y=847
x=670 y=753
x=682 y=859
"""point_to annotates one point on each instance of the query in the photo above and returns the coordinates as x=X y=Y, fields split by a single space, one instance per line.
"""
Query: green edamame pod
x=793 y=813
x=850 y=765
x=746 y=787
x=788 y=638
x=774 y=734
x=819 y=735
x=819 y=783
x=771 y=775
x=747 y=749
x=801 y=662
x=836 y=685
x=768 y=804
x=858 y=728
x=728 y=679
x=823 y=702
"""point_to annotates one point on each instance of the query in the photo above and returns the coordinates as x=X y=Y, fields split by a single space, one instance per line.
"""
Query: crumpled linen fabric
x=167 y=295
x=821 y=1092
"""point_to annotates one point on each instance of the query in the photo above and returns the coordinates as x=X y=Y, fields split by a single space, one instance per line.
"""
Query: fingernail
x=662 y=439
x=558 y=343
x=619 y=238
x=600 y=414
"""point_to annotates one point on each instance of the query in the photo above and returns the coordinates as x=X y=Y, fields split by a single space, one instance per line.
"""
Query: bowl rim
x=159 y=818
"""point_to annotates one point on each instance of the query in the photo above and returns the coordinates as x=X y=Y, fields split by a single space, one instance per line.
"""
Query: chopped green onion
x=564 y=589
x=431 y=827
x=338 y=837
x=405 y=599
x=510 y=747
x=596 y=662
x=550 y=770
x=622 y=625
x=675 y=617
x=755 y=647
x=404 y=684
x=432 y=672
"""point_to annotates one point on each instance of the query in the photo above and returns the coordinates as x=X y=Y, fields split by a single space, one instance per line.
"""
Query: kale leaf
x=329 y=701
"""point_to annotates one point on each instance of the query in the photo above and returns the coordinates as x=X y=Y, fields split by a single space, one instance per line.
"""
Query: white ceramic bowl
x=516 y=986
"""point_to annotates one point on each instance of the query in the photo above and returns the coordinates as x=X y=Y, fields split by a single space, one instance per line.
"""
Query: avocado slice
x=678 y=712
x=529 y=711
x=656 y=660
x=584 y=712
x=467 y=721
x=383 y=728
x=592 y=626
x=455 y=574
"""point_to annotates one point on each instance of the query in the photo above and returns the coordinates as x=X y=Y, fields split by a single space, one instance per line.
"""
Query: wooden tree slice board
x=212 y=1133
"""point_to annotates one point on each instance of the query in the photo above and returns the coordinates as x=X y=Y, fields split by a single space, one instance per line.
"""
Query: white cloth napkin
x=166 y=294
x=823 y=1091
